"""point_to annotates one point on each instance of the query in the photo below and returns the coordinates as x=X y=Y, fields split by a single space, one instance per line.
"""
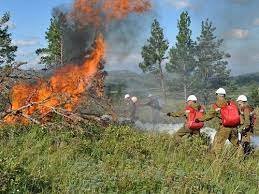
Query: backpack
x=192 y=116
x=230 y=116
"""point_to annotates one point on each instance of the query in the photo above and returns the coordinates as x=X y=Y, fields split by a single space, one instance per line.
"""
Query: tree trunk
x=184 y=83
x=185 y=91
x=61 y=51
x=162 y=81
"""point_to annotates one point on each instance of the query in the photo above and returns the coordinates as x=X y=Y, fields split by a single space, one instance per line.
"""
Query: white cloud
x=27 y=42
x=256 y=21
x=33 y=63
x=239 y=33
x=23 y=53
x=180 y=4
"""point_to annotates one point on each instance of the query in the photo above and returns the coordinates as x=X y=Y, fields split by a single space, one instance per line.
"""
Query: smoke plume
x=121 y=22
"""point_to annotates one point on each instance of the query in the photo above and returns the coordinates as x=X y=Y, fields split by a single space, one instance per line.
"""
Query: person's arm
x=212 y=113
x=177 y=114
x=244 y=121
x=145 y=104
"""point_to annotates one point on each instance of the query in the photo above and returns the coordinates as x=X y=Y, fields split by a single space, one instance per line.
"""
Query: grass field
x=117 y=159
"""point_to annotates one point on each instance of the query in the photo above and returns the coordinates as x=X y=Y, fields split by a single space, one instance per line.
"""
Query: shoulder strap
x=216 y=108
x=202 y=109
x=189 y=108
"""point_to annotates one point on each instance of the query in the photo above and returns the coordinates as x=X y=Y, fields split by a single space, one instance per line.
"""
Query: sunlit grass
x=117 y=159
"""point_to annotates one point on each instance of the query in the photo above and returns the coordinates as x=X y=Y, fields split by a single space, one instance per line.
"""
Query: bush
x=117 y=159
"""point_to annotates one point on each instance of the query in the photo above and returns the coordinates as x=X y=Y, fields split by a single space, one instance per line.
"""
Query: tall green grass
x=117 y=159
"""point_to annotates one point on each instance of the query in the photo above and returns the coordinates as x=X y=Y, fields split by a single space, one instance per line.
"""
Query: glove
x=197 y=121
x=168 y=114
x=246 y=129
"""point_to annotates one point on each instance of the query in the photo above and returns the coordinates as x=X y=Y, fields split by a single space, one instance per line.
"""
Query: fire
x=63 y=89
x=97 y=12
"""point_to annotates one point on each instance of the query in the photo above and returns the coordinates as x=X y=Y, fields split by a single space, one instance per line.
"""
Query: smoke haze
x=237 y=21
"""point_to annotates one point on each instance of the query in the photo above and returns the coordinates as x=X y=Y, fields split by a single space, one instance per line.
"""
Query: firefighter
x=154 y=104
x=223 y=133
x=247 y=116
x=127 y=104
x=187 y=130
x=133 y=109
x=127 y=98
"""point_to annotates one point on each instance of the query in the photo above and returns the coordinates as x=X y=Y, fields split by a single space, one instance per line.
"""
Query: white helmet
x=126 y=96
x=242 y=98
x=192 y=98
x=150 y=95
x=221 y=91
x=134 y=99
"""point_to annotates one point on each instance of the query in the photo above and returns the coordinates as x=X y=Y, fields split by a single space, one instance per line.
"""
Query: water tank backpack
x=192 y=116
x=229 y=114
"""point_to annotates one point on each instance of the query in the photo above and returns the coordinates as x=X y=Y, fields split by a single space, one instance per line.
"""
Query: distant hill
x=247 y=79
x=142 y=83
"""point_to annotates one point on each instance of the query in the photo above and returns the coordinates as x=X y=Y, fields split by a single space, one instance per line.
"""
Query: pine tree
x=181 y=58
x=53 y=55
x=7 y=49
x=212 y=67
x=154 y=53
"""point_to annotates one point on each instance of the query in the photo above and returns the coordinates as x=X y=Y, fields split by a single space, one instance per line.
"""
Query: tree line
x=199 y=65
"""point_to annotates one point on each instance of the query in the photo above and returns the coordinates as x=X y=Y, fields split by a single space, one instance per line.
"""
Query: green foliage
x=211 y=69
x=7 y=49
x=154 y=53
x=182 y=54
x=232 y=86
x=53 y=54
x=117 y=159
x=247 y=79
x=254 y=96
x=115 y=91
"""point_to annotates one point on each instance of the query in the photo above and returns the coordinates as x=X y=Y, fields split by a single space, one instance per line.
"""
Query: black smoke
x=122 y=37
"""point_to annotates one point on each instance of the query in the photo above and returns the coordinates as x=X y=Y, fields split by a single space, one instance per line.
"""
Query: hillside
x=133 y=81
x=147 y=83
x=247 y=79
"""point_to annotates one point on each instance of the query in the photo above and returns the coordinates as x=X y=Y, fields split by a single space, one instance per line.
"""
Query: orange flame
x=66 y=86
x=63 y=89
x=104 y=11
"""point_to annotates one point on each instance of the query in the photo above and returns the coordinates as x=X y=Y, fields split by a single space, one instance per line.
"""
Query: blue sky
x=237 y=21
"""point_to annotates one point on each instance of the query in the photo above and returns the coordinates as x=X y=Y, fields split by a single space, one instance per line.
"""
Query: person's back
x=187 y=129
x=154 y=103
x=223 y=132
x=133 y=108
x=126 y=105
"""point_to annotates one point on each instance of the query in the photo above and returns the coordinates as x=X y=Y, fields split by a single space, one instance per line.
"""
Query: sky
x=237 y=22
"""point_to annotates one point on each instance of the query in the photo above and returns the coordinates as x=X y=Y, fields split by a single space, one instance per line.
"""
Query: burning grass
x=116 y=159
